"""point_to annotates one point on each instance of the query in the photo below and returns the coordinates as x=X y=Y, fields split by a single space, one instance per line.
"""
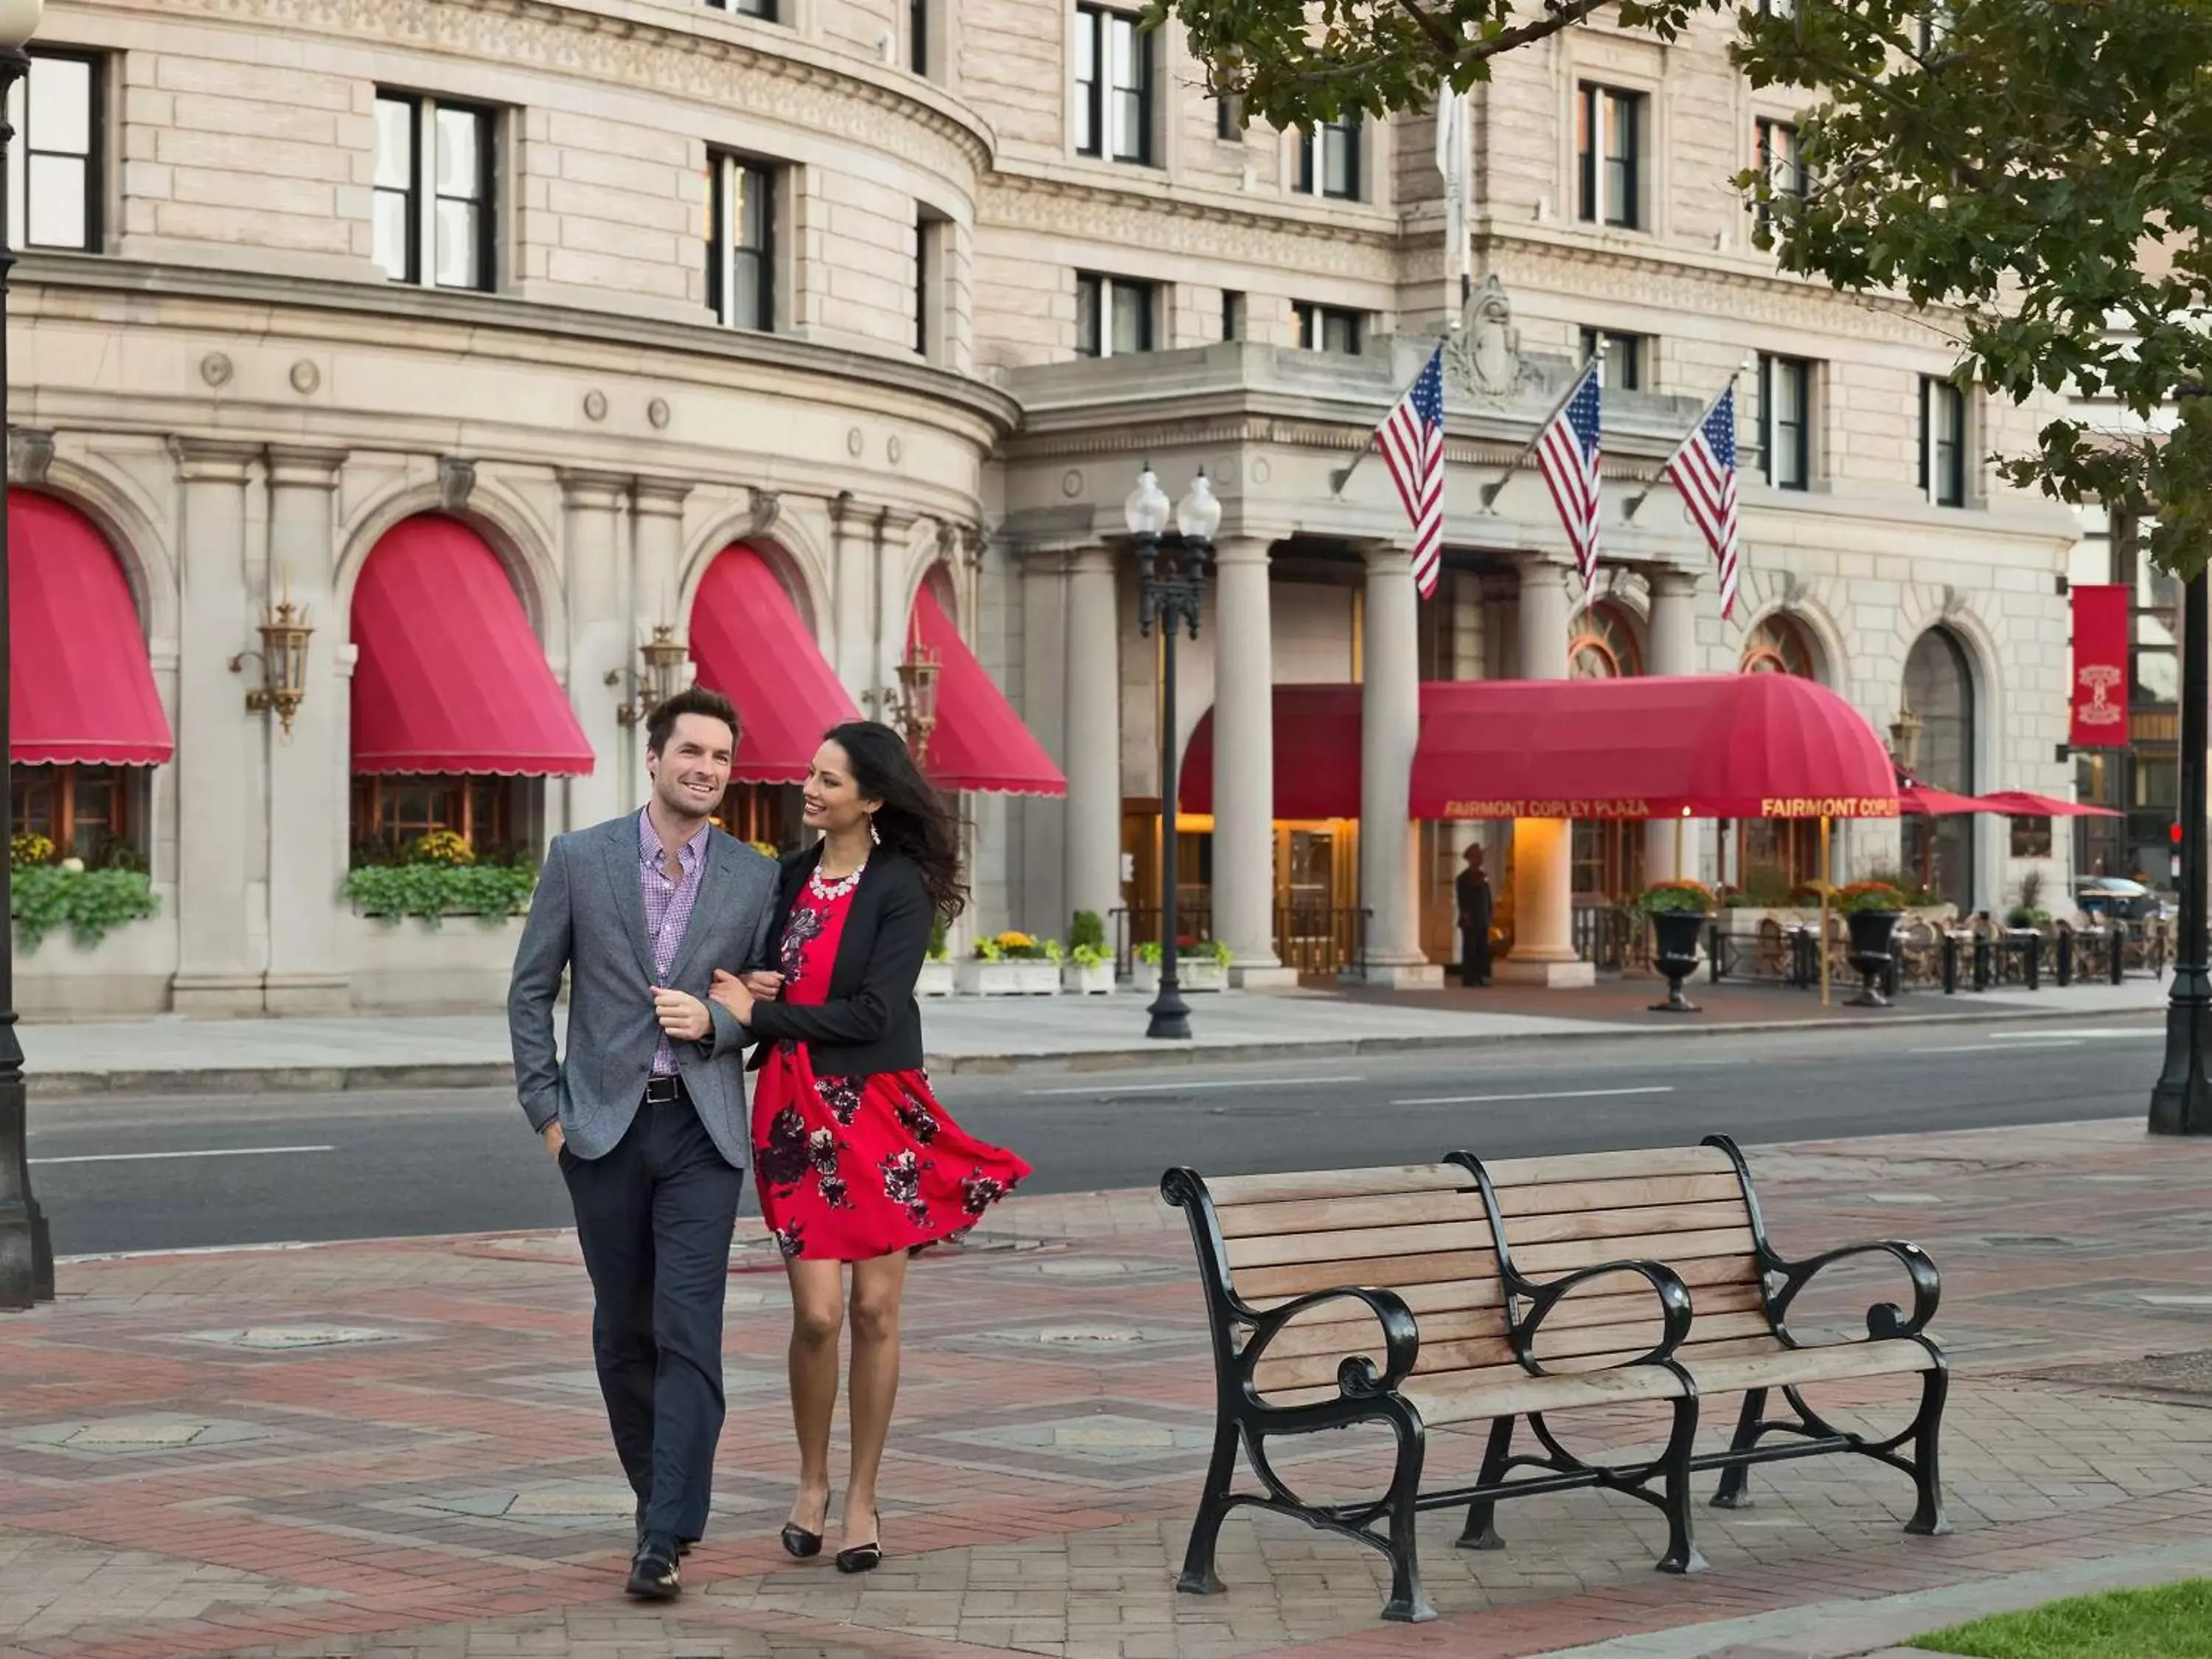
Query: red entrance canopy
x=1926 y=802
x=753 y=646
x=979 y=742
x=2021 y=804
x=451 y=678
x=79 y=685
x=1715 y=745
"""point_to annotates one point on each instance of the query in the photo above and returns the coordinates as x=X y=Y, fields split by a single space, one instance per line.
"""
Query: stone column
x=657 y=532
x=1244 y=764
x=602 y=641
x=218 y=743
x=1672 y=637
x=1093 y=667
x=309 y=811
x=1543 y=848
x=1389 y=727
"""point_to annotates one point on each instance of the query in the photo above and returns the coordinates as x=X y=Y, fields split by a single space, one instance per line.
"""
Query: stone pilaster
x=602 y=641
x=1390 y=726
x=657 y=533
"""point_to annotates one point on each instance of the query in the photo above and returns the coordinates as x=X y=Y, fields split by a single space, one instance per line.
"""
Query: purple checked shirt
x=667 y=909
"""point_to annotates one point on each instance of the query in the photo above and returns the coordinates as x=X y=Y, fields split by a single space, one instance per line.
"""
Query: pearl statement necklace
x=830 y=892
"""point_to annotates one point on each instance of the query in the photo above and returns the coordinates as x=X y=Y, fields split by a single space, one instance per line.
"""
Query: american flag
x=1412 y=439
x=1704 y=469
x=1567 y=455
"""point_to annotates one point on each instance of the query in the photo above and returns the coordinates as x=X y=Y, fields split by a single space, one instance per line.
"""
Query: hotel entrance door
x=1317 y=866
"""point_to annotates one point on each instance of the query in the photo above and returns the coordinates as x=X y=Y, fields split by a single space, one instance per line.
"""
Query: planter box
x=1036 y=978
x=1192 y=974
x=128 y=972
x=935 y=980
x=1094 y=981
x=459 y=967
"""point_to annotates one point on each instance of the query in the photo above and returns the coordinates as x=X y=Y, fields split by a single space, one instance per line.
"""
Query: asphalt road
x=117 y=1174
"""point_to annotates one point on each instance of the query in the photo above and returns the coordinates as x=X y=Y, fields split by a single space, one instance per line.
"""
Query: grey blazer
x=587 y=918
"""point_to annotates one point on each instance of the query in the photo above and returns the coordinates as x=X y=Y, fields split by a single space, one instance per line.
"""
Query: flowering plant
x=28 y=849
x=1187 y=949
x=767 y=849
x=1675 y=897
x=445 y=846
x=1868 y=896
x=1013 y=946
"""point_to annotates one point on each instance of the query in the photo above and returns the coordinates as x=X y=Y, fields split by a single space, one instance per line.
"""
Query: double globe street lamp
x=1172 y=565
x=27 y=1255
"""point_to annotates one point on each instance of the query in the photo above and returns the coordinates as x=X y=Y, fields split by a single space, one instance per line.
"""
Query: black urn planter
x=1677 y=933
x=1871 y=931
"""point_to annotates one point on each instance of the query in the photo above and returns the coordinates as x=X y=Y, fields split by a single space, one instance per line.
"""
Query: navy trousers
x=654 y=1217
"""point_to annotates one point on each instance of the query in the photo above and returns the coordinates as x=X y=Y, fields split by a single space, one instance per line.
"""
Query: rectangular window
x=1229 y=119
x=1609 y=149
x=1328 y=160
x=434 y=197
x=1113 y=87
x=1113 y=315
x=1785 y=428
x=1328 y=328
x=1232 y=315
x=740 y=242
x=917 y=36
x=389 y=814
x=1778 y=8
x=55 y=167
x=87 y=812
x=1625 y=357
x=1781 y=161
x=764 y=9
x=930 y=235
x=1943 y=442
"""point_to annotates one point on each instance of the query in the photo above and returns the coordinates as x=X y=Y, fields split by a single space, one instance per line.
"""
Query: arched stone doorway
x=1939 y=690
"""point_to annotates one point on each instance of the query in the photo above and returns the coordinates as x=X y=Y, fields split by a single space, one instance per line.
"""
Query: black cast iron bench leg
x=1481 y=1532
x=1734 y=1479
x=1928 y=1518
x=1197 y=1575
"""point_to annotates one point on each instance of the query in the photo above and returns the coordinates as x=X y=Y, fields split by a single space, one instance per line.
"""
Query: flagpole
x=1628 y=507
x=1342 y=476
x=1489 y=491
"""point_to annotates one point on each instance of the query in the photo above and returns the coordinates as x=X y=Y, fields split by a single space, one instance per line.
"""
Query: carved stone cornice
x=214 y=460
x=705 y=59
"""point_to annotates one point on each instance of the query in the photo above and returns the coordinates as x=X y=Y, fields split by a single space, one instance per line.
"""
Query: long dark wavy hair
x=915 y=821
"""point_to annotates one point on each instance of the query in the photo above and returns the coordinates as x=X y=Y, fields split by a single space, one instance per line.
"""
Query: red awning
x=752 y=646
x=1924 y=801
x=80 y=688
x=451 y=678
x=2023 y=803
x=979 y=742
x=1715 y=745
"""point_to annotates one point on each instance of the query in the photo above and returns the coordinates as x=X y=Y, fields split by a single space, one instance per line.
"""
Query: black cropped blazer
x=872 y=1022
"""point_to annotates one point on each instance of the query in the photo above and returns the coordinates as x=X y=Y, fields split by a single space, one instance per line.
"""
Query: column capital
x=1384 y=557
x=1535 y=569
x=600 y=491
x=1666 y=581
x=1243 y=550
x=1093 y=561
x=213 y=461
x=660 y=498
x=300 y=467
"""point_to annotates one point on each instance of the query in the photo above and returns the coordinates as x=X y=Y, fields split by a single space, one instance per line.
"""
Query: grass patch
x=2168 y=1621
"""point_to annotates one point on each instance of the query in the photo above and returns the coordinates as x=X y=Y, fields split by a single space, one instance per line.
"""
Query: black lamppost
x=26 y=1254
x=2181 y=1100
x=1172 y=565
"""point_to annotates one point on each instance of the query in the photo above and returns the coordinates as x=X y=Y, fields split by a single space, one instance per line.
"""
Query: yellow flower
x=1013 y=940
x=442 y=847
x=29 y=849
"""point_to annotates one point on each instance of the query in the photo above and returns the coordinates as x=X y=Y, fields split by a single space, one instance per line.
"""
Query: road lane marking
x=1564 y=1094
x=216 y=1151
x=2035 y=1047
x=1180 y=1088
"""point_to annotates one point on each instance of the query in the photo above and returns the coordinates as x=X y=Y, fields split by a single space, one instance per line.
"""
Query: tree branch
x=1563 y=15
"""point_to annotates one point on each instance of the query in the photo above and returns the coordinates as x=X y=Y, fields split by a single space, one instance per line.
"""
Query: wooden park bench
x=1518 y=1290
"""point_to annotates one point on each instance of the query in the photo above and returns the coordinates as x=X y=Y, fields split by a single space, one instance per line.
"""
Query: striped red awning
x=753 y=646
x=80 y=686
x=979 y=742
x=451 y=678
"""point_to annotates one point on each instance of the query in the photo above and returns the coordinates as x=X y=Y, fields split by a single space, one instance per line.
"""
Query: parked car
x=2101 y=896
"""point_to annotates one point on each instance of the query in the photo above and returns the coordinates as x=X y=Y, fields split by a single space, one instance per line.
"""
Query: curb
x=499 y=1075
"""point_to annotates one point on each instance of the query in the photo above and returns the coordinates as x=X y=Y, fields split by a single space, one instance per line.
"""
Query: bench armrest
x=1401 y=1337
x=1885 y=1321
x=1666 y=1283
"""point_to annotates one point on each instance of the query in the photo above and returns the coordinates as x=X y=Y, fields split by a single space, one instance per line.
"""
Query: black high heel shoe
x=864 y=1558
x=801 y=1543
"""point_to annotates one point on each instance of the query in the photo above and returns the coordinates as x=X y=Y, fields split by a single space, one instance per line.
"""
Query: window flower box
x=1089 y=972
x=1007 y=977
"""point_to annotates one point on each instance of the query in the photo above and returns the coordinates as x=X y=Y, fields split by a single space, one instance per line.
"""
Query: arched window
x=1603 y=646
x=1778 y=646
x=1939 y=690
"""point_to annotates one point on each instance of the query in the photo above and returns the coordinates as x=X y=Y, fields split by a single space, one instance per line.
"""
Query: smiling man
x=646 y=1112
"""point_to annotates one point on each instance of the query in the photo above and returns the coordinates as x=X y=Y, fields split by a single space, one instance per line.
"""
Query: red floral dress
x=851 y=1168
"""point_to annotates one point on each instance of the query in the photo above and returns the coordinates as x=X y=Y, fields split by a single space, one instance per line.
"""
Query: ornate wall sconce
x=915 y=711
x=1905 y=740
x=664 y=656
x=283 y=659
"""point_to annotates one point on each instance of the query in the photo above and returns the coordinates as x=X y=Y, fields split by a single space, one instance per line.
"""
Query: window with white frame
x=1781 y=161
x=1232 y=315
x=434 y=199
x=1943 y=441
x=1610 y=142
x=1625 y=359
x=763 y=9
x=1113 y=86
x=1113 y=315
x=933 y=234
x=1328 y=328
x=1229 y=118
x=921 y=42
x=1785 y=421
x=1328 y=159
x=56 y=169
x=741 y=210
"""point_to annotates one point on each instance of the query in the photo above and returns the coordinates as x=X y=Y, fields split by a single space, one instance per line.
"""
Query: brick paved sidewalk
x=395 y=1449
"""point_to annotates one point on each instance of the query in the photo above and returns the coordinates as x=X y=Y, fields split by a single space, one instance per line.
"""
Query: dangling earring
x=874 y=839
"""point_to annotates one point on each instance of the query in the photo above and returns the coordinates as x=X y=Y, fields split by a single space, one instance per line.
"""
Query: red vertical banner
x=2101 y=668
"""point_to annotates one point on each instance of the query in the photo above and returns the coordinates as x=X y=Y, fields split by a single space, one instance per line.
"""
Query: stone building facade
x=886 y=295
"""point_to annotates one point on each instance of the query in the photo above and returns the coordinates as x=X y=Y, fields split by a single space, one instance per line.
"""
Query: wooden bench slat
x=1626 y=1192
x=1360 y=1244
x=1733 y=1373
x=1677 y=1250
x=1337 y=1184
x=1606 y=1166
x=1263 y=1286
x=1592 y=1307
x=1334 y=1214
x=1471 y=1396
x=1303 y=1336
x=1610 y=1224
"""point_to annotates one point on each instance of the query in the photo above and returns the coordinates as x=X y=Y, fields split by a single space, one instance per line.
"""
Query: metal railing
x=1313 y=938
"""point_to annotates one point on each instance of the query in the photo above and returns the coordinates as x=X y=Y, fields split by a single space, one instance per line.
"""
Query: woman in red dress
x=854 y=1159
